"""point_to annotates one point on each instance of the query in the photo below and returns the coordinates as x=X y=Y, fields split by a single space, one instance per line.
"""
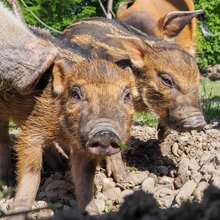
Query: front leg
x=83 y=168
x=6 y=174
x=29 y=153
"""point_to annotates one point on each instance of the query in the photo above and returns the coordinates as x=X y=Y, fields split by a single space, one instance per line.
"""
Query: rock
x=108 y=184
x=148 y=185
x=208 y=168
x=164 y=197
x=193 y=165
x=113 y=194
x=100 y=204
x=186 y=191
x=196 y=176
x=165 y=180
x=136 y=178
x=216 y=180
x=198 y=193
x=183 y=165
x=174 y=149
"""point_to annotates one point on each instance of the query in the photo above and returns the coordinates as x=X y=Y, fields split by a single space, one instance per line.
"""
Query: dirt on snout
x=177 y=170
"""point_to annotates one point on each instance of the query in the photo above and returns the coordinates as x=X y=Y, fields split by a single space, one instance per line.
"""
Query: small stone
x=100 y=205
x=136 y=177
x=208 y=168
x=196 y=176
x=198 y=193
x=193 y=165
x=100 y=196
x=108 y=184
x=165 y=180
x=216 y=180
x=164 y=197
x=186 y=191
x=183 y=165
x=148 y=185
x=174 y=149
x=113 y=194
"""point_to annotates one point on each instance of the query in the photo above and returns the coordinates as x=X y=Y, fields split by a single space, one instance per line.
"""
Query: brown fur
x=150 y=16
x=150 y=59
x=52 y=114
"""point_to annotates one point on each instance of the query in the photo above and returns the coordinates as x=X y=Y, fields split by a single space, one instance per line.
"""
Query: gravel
x=178 y=169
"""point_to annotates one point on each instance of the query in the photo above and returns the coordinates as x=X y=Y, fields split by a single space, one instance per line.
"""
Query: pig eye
x=76 y=93
x=167 y=80
x=127 y=95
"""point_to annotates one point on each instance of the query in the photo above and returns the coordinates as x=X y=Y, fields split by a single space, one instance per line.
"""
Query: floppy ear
x=132 y=78
x=135 y=48
x=60 y=72
x=174 y=22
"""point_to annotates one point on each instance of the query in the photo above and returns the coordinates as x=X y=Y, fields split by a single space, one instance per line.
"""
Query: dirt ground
x=179 y=169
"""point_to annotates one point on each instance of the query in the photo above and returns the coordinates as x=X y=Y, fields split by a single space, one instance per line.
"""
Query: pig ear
x=135 y=48
x=60 y=70
x=132 y=82
x=174 y=22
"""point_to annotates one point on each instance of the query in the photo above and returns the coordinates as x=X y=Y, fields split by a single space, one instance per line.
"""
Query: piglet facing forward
x=88 y=110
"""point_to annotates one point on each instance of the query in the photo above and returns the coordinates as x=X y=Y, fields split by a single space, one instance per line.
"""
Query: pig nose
x=103 y=143
x=193 y=122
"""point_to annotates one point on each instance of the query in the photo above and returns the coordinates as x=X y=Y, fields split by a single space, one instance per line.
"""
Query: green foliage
x=209 y=47
x=60 y=13
x=145 y=118
x=210 y=95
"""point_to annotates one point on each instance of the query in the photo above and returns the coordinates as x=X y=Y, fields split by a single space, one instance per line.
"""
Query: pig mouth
x=196 y=121
x=103 y=143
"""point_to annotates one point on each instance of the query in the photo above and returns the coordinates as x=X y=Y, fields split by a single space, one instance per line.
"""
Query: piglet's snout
x=103 y=143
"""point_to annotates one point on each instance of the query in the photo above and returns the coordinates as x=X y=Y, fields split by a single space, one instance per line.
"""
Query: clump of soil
x=175 y=171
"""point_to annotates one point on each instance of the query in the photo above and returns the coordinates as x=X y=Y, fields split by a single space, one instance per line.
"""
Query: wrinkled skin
x=88 y=116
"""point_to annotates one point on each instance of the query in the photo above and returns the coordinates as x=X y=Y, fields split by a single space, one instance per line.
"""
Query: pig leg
x=6 y=175
x=116 y=167
x=29 y=152
x=83 y=171
x=163 y=132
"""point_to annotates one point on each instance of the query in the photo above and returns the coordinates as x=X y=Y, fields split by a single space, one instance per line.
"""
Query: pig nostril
x=94 y=145
x=114 y=145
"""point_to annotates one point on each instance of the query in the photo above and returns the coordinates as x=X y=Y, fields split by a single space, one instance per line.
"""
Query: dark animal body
x=80 y=106
x=169 y=20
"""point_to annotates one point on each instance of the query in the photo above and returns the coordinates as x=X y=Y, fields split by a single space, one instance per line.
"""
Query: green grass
x=210 y=96
x=145 y=118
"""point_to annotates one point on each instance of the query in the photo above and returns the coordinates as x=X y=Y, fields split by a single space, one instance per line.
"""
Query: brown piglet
x=87 y=108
